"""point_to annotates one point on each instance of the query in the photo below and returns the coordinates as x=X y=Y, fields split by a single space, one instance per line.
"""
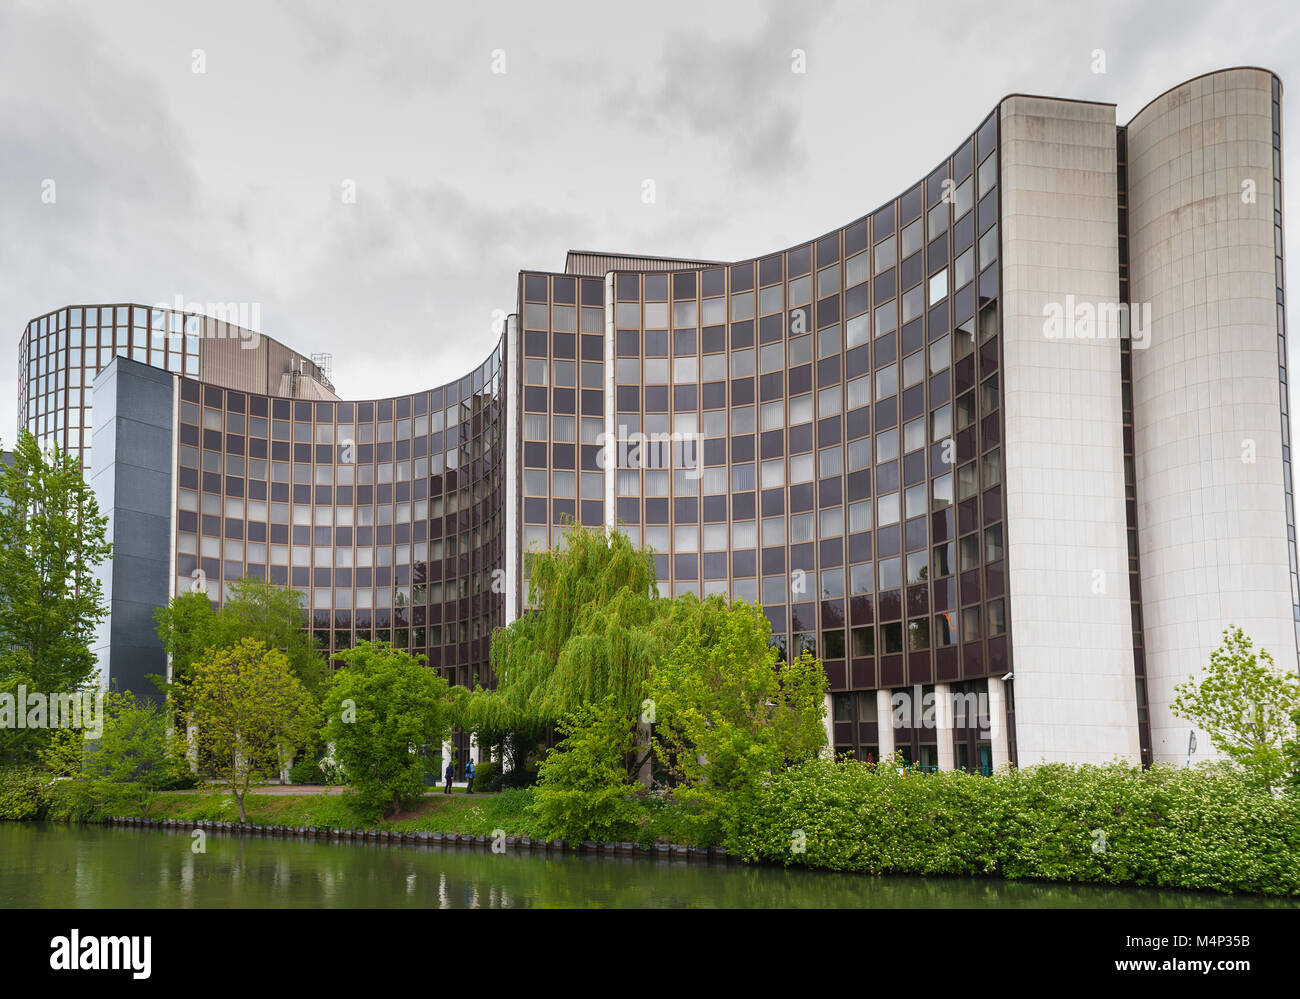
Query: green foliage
x=1291 y=755
x=1206 y=828
x=24 y=793
x=498 y=728
x=52 y=538
x=307 y=771
x=487 y=776
x=583 y=791
x=1246 y=705
x=729 y=712
x=125 y=768
x=388 y=715
x=597 y=630
x=190 y=625
x=249 y=713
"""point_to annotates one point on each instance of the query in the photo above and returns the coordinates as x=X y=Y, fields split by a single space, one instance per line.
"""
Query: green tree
x=387 y=716
x=274 y=615
x=52 y=539
x=598 y=627
x=1291 y=751
x=188 y=626
x=729 y=712
x=583 y=790
x=1245 y=704
x=249 y=712
x=128 y=764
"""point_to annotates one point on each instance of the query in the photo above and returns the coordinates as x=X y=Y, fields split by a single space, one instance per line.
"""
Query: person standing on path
x=449 y=774
x=469 y=777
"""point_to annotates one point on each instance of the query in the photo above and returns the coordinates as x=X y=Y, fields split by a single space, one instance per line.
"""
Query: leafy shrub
x=307 y=771
x=24 y=793
x=487 y=776
x=518 y=778
x=1208 y=828
x=583 y=791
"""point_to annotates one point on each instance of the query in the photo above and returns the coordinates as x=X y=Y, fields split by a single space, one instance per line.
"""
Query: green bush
x=584 y=792
x=487 y=776
x=518 y=778
x=24 y=793
x=1204 y=829
x=307 y=771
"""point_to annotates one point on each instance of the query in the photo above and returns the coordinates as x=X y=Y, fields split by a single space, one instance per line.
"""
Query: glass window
x=997 y=611
x=771 y=357
x=773 y=415
x=884 y=254
x=828 y=401
x=856 y=270
x=914 y=435
x=939 y=286
x=859 y=392
x=939 y=355
x=860 y=516
x=801 y=468
x=993 y=543
x=940 y=423
x=800 y=409
x=991 y=468
x=887 y=381
x=828 y=281
x=773 y=473
x=774 y=532
x=800 y=350
x=911 y=239
x=918 y=634
x=887 y=509
x=887 y=445
x=941 y=490
x=943 y=560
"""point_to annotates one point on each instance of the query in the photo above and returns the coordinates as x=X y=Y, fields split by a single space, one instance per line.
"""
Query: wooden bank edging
x=525 y=844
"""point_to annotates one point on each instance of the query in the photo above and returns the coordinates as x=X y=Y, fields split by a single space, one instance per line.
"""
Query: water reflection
x=96 y=866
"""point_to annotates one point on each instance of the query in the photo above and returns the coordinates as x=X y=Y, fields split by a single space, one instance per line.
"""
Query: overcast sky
x=226 y=185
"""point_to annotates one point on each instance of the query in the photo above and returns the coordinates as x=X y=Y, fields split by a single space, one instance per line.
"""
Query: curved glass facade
x=828 y=431
x=387 y=514
x=873 y=434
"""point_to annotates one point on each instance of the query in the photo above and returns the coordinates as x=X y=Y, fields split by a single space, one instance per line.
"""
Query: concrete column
x=998 y=722
x=884 y=722
x=943 y=723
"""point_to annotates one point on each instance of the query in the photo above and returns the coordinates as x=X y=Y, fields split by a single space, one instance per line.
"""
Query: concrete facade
x=1208 y=420
x=1071 y=631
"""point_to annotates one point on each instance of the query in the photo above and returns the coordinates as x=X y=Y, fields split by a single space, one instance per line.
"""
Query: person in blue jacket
x=469 y=777
x=450 y=773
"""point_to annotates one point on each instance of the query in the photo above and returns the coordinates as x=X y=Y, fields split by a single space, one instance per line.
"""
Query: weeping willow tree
x=598 y=627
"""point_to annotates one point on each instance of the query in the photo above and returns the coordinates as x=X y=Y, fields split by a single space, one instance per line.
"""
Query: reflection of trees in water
x=133 y=868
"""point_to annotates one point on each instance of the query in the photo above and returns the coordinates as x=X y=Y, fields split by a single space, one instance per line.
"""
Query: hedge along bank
x=1201 y=829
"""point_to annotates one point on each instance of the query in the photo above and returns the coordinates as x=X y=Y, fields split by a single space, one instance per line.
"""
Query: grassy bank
x=477 y=814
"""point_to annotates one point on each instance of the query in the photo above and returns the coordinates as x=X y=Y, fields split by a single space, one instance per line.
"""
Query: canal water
x=59 y=866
